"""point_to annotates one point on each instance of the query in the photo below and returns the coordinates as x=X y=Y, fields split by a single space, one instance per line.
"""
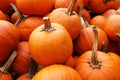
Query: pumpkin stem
x=94 y=62
x=47 y=25
x=6 y=66
x=104 y=47
x=32 y=68
x=70 y=7
x=118 y=35
x=22 y=17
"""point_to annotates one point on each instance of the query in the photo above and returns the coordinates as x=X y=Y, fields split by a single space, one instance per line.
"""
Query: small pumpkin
x=56 y=71
x=35 y=7
x=98 y=21
x=68 y=18
x=30 y=74
x=85 y=40
x=112 y=27
x=26 y=24
x=21 y=63
x=66 y=3
x=50 y=43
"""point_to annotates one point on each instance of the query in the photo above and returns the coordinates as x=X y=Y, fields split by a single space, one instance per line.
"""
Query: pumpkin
x=110 y=12
x=4 y=74
x=4 y=6
x=86 y=2
x=21 y=63
x=9 y=38
x=3 y=16
x=66 y=3
x=14 y=17
x=50 y=43
x=30 y=74
x=35 y=7
x=100 y=6
x=61 y=72
x=85 y=40
x=26 y=24
x=98 y=21
x=68 y=18
x=97 y=65
x=70 y=62
x=112 y=27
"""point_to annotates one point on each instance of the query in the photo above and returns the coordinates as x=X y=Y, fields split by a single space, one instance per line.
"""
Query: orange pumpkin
x=68 y=18
x=35 y=7
x=86 y=38
x=97 y=65
x=9 y=38
x=112 y=27
x=66 y=3
x=21 y=63
x=3 y=16
x=57 y=72
x=100 y=6
x=98 y=21
x=50 y=43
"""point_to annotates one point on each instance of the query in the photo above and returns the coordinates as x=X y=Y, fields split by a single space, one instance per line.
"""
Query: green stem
x=70 y=7
x=32 y=68
x=6 y=66
x=22 y=17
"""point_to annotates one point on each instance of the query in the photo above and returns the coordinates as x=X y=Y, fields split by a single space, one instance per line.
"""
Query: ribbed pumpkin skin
x=71 y=22
x=109 y=69
x=9 y=38
x=21 y=63
x=112 y=27
x=57 y=72
x=6 y=76
x=50 y=47
x=3 y=16
x=85 y=40
x=35 y=7
x=23 y=77
x=28 y=25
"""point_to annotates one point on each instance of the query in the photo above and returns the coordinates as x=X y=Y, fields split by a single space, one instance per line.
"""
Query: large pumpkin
x=57 y=72
x=97 y=65
x=9 y=38
x=50 y=43
x=35 y=7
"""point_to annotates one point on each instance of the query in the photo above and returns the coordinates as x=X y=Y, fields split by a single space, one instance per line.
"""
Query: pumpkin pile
x=59 y=40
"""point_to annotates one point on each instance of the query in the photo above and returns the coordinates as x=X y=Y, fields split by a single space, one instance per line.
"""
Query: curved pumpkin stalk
x=70 y=7
x=94 y=62
x=22 y=17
